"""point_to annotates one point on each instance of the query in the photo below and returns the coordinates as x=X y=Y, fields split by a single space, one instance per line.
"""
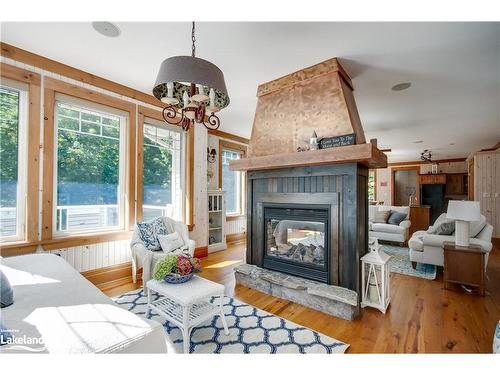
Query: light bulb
x=200 y=90
x=170 y=89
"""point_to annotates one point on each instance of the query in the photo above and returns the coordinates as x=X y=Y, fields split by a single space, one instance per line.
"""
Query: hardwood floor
x=422 y=318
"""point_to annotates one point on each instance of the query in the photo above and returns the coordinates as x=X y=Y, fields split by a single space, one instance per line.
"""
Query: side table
x=464 y=265
x=188 y=304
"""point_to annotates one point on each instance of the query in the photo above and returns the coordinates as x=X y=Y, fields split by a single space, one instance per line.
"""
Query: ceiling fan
x=426 y=155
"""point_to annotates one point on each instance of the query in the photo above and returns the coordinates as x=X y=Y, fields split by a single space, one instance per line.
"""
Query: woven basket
x=175 y=278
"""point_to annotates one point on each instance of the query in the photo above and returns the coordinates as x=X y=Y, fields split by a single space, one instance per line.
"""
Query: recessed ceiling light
x=106 y=28
x=418 y=141
x=401 y=86
x=452 y=144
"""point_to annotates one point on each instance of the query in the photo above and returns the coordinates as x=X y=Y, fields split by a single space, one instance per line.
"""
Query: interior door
x=405 y=185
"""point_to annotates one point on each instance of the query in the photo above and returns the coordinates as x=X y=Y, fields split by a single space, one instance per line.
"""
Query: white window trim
x=180 y=213
x=22 y=150
x=122 y=173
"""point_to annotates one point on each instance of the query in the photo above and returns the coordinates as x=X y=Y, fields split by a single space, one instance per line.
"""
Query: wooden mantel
x=366 y=154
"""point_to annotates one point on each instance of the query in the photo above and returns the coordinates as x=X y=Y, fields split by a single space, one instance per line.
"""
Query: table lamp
x=463 y=212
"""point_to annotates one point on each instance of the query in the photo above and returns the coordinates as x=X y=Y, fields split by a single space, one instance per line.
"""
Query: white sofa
x=389 y=232
x=146 y=259
x=61 y=312
x=428 y=248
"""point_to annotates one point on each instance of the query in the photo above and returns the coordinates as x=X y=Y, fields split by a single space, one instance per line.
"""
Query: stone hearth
x=330 y=299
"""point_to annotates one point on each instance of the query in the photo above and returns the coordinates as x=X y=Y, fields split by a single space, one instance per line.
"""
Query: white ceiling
x=453 y=105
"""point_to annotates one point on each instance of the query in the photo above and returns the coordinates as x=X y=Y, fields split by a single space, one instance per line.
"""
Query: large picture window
x=162 y=170
x=13 y=141
x=231 y=182
x=90 y=167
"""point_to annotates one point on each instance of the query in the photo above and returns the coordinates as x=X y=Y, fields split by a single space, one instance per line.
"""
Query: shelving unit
x=216 y=221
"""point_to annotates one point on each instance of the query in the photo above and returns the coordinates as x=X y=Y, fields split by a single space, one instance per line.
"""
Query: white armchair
x=146 y=259
x=428 y=248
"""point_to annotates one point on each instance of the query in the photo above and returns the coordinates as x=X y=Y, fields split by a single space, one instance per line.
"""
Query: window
x=231 y=182
x=90 y=167
x=13 y=141
x=162 y=171
x=372 y=185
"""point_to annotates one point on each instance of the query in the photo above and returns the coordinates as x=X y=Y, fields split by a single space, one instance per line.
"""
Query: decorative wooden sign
x=341 y=140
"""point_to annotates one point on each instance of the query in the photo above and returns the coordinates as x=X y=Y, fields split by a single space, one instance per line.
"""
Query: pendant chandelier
x=192 y=89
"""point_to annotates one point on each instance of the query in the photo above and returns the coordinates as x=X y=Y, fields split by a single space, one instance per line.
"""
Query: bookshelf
x=216 y=221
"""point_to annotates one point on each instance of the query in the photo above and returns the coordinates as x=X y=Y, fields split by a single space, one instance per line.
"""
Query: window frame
x=242 y=150
x=22 y=165
x=51 y=239
x=32 y=151
x=122 y=165
x=158 y=122
x=187 y=170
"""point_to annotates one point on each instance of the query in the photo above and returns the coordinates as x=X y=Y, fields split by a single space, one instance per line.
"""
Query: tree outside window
x=89 y=173
x=13 y=102
x=162 y=172
x=372 y=181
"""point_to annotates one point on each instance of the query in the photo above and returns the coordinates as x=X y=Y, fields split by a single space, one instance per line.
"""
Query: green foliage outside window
x=9 y=117
x=371 y=186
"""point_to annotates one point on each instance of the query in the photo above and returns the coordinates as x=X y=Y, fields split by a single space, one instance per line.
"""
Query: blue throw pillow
x=7 y=294
x=149 y=231
x=396 y=218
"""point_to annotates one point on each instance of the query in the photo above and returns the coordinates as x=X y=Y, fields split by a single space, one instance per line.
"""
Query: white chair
x=146 y=259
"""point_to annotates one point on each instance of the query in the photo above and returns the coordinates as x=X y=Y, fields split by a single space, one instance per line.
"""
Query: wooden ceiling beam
x=53 y=66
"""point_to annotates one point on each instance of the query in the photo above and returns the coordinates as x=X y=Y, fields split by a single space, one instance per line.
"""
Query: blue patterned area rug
x=251 y=330
x=400 y=263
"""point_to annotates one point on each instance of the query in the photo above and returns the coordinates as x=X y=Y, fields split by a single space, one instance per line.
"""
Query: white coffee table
x=188 y=304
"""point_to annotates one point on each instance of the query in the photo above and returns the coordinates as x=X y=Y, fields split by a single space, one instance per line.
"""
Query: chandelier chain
x=193 y=39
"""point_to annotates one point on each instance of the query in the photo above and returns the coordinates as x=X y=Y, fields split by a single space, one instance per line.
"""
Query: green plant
x=164 y=267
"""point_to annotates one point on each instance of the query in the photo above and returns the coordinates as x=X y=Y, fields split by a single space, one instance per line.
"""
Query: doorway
x=404 y=185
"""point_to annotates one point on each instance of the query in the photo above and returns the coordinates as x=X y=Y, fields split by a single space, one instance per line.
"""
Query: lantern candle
x=212 y=98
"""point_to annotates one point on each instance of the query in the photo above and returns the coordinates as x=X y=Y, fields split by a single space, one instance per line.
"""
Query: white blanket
x=59 y=311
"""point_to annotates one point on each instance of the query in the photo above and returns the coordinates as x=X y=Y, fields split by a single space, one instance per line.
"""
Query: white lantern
x=375 y=281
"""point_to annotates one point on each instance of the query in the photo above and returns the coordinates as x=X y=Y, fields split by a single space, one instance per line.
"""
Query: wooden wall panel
x=48 y=163
x=487 y=187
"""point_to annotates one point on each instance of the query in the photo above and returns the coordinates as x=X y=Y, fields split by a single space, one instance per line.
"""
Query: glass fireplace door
x=296 y=240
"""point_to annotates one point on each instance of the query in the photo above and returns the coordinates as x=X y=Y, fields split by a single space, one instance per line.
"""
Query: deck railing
x=81 y=217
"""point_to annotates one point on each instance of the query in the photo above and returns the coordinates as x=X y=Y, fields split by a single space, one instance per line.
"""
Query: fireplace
x=297 y=240
x=307 y=212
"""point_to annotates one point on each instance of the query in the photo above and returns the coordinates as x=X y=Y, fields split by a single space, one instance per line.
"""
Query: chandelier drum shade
x=192 y=89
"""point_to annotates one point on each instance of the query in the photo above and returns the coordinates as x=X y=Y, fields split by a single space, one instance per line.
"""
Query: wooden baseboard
x=234 y=238
x=201 y=252
x=496 y=242
x=17 y=249
x=108 y=277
